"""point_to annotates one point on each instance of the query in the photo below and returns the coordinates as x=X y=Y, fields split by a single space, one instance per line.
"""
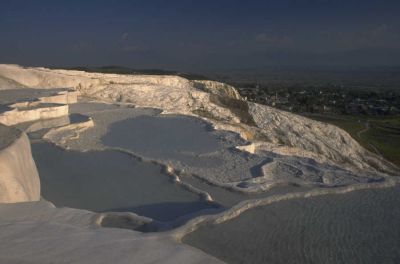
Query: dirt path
x=359 y=133
x=363 y=130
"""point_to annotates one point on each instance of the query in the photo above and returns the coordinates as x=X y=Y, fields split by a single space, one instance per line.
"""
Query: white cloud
x=271 y=40
x=379 y=30
x=126 y=44
x=124 y=36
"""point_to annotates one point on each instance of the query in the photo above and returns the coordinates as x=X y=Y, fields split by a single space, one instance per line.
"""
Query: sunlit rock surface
x=24 y=105
x=217 y=88
x=202 y=134
x=19 y=179
x=269 y=129
x=275 y=147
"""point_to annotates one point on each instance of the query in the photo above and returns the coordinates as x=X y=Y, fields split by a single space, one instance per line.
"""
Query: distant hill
x=127 y=70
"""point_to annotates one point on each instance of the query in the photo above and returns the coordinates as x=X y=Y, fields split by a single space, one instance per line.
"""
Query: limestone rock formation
x=218 y=88
x=19 y=179
x=267 y=128
x=268 y=131
x=285 y=149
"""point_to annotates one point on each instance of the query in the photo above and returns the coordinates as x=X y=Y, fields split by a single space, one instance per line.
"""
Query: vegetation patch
x=238 y=107
x=379 y=135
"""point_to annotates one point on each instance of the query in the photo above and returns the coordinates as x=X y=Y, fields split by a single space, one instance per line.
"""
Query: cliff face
x=218 y=88
x=19 y=179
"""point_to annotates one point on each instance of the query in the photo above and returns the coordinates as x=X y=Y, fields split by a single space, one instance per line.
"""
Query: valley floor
x=379 y=135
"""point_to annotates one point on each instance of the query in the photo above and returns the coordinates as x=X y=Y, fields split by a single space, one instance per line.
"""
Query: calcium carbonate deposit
x=123 y=157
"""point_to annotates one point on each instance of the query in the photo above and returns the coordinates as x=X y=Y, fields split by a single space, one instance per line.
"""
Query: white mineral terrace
x=121 y=157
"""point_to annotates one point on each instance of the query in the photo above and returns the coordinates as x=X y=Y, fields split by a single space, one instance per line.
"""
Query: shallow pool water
x=111 y=181
x=358 y=227
x=4 y=108
x=91 y=107
x=166 y=137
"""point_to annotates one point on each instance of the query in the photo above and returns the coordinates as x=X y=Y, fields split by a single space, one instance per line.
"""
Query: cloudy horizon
x=206 y=35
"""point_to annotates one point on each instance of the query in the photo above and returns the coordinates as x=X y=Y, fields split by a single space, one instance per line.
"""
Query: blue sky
x=201 y=35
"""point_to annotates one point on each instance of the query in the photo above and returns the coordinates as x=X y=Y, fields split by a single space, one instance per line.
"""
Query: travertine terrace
x=252 y=149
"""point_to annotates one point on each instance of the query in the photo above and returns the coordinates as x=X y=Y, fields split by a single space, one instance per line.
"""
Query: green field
x=380 y=135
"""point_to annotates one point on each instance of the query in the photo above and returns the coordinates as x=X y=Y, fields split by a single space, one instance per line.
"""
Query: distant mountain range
x=127 y=70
